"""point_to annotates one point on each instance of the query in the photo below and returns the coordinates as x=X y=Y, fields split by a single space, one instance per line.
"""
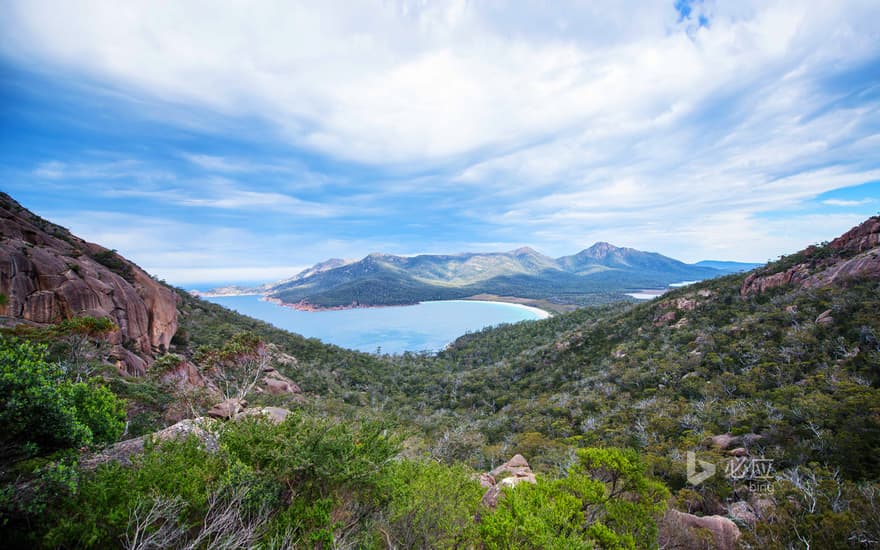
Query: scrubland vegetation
x=385 y=451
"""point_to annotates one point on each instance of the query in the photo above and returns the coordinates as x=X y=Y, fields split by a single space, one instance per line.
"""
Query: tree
x=237 y=366
x=82 y=339
x=41 y=410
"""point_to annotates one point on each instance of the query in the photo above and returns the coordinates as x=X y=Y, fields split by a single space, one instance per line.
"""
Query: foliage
x=42 y=410
x=294 y=481
x=605 y=501
x=791 y=372
x=430 y=505
x=815 y=508
x=237 y=366
x=115 y=263
x=79 y=343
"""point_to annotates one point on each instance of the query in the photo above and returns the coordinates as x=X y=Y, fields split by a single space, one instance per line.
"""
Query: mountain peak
x=524 y=251
x=601 y=249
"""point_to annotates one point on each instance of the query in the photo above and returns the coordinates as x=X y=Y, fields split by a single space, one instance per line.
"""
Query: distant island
x=601 y=273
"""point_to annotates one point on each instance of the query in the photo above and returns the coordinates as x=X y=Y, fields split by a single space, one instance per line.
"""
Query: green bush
x=430 y=506
x=42 y=411
x=605 y=501
x=98 y=515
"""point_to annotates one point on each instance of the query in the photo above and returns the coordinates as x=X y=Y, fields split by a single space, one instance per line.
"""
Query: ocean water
x=428 y=326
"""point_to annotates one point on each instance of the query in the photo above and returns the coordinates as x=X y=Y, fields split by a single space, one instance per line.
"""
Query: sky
x=231 y=141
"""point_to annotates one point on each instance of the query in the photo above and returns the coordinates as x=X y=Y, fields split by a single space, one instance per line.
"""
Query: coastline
x=200 y=294
x=305 y=306
x=542 y=314
x=651 y=293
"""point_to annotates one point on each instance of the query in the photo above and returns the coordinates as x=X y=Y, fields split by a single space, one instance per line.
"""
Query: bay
x=428 y=326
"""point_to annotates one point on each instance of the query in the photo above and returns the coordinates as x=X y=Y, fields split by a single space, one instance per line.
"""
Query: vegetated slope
x=789 y=352
x=330 y=373
x=268 y=477
x=783 y=362
x=598 y=274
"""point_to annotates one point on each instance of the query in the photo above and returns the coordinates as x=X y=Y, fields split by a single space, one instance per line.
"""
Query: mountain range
x=600 y=273
x=778 y=365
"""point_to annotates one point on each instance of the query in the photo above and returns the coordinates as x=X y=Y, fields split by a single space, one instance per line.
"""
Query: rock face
x=275 y=383
x=866 y=264
x=510 y=474
x=274 y=414
x=725 y=533
x=861 y=238
x=123 y=451
x=203 y=428
x=853 y=254
x=742 y=512
x=740 y=443
x=227 y=409
x=48 y=275
x=758 y=284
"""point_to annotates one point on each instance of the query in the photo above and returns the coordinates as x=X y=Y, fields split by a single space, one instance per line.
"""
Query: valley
x=778 y=364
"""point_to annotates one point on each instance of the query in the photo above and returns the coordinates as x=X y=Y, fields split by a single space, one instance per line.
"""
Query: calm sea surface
x=428 y=326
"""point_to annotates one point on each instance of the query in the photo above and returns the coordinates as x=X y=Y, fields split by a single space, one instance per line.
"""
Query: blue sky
x=231 y=141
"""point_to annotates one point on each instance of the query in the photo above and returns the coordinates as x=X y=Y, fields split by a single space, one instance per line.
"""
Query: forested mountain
x=267 y=439
x=599 y=274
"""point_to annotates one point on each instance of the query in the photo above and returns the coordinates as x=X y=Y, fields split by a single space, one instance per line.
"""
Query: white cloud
x=187 y=253
x=413 y=81
x=589 y=121
x=131 y=178
x=846 y=203
x=224 y=275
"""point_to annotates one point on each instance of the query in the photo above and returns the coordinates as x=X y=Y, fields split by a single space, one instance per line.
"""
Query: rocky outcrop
x=123 y=451
x=758 y=284
x=275 y=383
x=186 y=375
x=825 y=318
x=724 y=532
x=742 y=513
x=276 y=415
x=48 y=275
x=227 y=410
x=664 y=318
x=202 y=428
x=510 y=474
x=864 y=236
x=854 y=254
x=741 y=443
x=866 y=264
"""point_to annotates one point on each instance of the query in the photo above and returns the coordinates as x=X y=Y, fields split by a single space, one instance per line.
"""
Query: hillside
x=337 y=448
x=599 y=274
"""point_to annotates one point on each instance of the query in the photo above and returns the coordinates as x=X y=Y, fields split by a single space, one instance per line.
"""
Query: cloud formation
x=690 y=128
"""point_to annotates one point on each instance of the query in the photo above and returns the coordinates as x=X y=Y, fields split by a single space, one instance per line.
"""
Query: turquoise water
x=428 y=326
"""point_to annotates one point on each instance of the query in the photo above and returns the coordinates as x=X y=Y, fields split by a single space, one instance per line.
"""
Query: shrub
x=42 y=411
x=606 y=500
x=430 y=506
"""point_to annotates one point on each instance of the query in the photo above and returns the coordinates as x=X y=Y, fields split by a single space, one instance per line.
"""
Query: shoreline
x=205 y=294
x=309 y=308
x=651 y=293
x=542 y=314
